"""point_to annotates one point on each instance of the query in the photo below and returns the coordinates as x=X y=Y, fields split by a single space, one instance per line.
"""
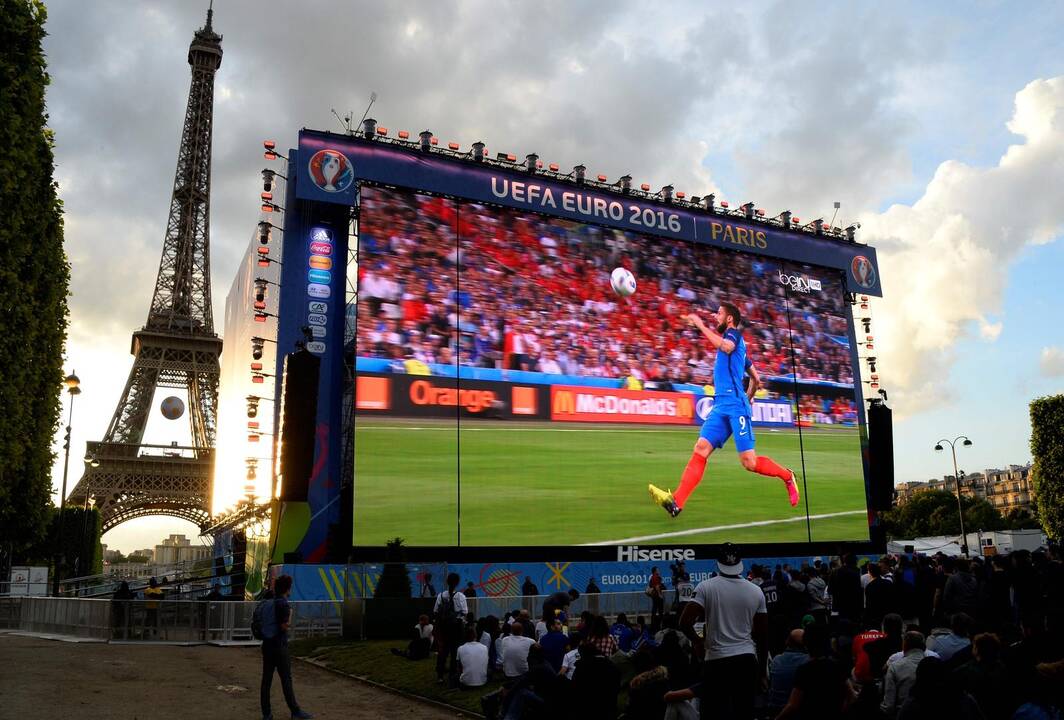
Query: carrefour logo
x=799 y=283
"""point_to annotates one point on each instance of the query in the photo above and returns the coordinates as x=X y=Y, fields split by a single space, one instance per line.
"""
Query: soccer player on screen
x=731 y=414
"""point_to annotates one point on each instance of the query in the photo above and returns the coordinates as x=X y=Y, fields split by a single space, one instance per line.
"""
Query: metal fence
x=169 y=621
x=192 y=621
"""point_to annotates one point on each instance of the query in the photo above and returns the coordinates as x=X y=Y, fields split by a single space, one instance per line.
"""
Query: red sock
x=765 y=466
x=692 y=475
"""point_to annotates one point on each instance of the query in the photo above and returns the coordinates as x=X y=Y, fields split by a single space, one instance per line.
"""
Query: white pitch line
x=698 y=531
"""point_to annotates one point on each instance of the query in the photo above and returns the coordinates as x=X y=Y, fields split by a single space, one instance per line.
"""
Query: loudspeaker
x=298 y=413
x=881 y=456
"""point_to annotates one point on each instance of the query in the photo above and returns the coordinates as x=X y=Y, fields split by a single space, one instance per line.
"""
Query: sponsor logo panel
x=571 y=403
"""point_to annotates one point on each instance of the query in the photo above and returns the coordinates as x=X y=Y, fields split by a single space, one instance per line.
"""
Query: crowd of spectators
x=533 y=294
x=906 y=638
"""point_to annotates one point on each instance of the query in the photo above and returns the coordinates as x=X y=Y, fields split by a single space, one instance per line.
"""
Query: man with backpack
x=450 y=611
x=270 y=624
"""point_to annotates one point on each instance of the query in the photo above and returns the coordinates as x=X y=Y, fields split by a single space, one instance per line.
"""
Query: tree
x=1021 y=519
x=1047 y=475
x=394 y=581
x=934 y=512
x=34 y=277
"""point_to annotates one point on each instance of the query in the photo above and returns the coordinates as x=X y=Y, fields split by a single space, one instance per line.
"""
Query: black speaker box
x=881 y=456
x=298 y=413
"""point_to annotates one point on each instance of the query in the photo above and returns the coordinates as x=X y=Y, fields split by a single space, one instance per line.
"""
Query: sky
x=939 y=128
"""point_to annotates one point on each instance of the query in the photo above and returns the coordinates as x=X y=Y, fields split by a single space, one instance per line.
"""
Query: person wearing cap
x=734 y=637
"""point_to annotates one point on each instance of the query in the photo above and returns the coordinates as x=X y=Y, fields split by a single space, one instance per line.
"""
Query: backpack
x=264 y=621
x=448 y=614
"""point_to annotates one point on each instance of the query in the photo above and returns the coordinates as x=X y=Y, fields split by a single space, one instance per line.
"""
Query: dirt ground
x=51 y=679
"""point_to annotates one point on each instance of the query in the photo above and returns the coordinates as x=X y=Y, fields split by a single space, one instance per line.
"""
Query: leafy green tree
x=934 y=512
x=34 y=277
x=139 y=559
x=1047 y=475
x=394 y=581
x=1021 y=519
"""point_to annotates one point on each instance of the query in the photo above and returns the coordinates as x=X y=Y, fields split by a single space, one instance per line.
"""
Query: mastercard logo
x=320 y=263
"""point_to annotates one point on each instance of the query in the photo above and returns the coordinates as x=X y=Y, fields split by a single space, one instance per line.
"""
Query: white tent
x=947 y=545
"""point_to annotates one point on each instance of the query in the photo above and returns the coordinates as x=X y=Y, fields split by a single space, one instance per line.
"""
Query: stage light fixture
x=626 y=184
x=760 y=213
x=578 y=173
x=785 y=218
x=452 y=146
x=404 y=135
x=553 y=167
x=260 y=317
x=267 y=179
x=382 y=131
x=601 y=178
x=369 y=127
x=680 y=195
x=724 y=204
x=270 y=149
x=264 y=233
x=666 y=193
x=645 y=187
x=257 y=346
x=708 y=201
x=266 y=196
x=796 y=220
x=532 y=162
x=818 y=226
x=748 y=210
x=478 y=151
x=425 y=136
x=267 y=207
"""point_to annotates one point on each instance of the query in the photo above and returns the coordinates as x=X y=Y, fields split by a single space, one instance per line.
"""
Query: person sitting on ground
x=935 y=696
x=529 y=627
x=473 y=660
x=954 y=641
x=601 y=637
x=514 y=651
x=544 y=623
x=554 y=643
x=621 y=631
x=901 y=676
x=782 y=670
x=572 y=654
x=821 y=687
x=677 y=661
x=879 y=651
x=596 y=683
x=985 y=678
x=646 y=691
x=537 y=693
x=420 y=644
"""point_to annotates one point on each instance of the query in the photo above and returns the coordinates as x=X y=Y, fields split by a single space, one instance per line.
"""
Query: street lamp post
x=957 y=477
x=72 y=383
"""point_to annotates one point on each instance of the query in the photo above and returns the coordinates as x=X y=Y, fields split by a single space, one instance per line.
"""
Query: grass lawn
x=571 y=483
x=373 y=660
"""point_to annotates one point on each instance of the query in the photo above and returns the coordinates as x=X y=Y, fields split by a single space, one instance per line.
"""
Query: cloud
x=945 y=258
x=1051 y=362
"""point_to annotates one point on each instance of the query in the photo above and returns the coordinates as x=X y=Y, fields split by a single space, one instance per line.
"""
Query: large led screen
x=507 y=395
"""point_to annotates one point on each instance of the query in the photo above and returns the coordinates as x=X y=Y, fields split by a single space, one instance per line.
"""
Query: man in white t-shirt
x=473 y=658
x=449 y=611
x=736 y=628
x=515 y=651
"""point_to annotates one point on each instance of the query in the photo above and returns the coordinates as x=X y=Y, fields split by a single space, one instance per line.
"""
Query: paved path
x=51 y=679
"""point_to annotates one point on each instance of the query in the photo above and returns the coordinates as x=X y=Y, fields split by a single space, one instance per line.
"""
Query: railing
x=169 y=621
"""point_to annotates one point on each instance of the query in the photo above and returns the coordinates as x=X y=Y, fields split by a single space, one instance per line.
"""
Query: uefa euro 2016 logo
x=331 y=171
x=864 y=272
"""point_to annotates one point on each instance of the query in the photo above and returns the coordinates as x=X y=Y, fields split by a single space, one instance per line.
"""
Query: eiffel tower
x=176 y=348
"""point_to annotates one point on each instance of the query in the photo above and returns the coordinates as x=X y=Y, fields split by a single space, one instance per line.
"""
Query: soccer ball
x=622 y=281
x=172 y=408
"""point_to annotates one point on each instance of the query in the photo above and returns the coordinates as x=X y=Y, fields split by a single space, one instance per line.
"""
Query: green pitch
x=573 y=483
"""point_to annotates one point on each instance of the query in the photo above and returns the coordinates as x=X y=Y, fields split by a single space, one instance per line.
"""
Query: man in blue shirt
x=730 y=416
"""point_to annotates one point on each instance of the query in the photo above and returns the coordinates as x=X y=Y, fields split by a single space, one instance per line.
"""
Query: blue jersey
x=728 y=373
